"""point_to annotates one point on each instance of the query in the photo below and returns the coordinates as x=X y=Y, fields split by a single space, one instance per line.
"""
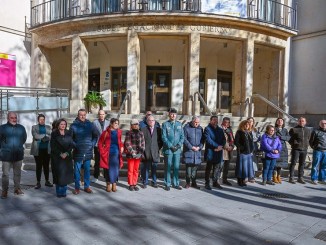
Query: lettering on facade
x=162 y=27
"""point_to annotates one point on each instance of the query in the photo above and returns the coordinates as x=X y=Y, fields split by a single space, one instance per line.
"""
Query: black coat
x=299 y=137
x=62 y=169
x=153 y=144
x=284 y=137
x=244 y=142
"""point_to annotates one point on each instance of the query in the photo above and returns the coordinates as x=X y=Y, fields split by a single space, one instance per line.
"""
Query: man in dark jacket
x=318 y=144
x=151 y=156
x=84 y=135
x=299 y=142
x=228 y=148
x=12 y=139
x=215 y=141
x=192 y=146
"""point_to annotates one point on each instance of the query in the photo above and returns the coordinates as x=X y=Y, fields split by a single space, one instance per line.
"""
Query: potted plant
x=94 y=100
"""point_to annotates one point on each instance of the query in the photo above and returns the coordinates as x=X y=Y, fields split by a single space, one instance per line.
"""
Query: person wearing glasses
x=151 y=157
x=12 y=139
x=143 y=123
x=134 y=146
x=40 y=150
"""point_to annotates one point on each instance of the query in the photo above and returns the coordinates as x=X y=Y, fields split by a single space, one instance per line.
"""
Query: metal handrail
x=202 y=101
x=256 y=95
x=127 y=97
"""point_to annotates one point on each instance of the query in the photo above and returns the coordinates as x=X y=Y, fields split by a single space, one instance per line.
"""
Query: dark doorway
x=118 y=86
x=94 y=77
x=224 y=91
x=158 y=88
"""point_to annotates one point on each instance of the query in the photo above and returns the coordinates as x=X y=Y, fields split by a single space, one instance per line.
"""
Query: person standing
x=84 y=136
x=192 y=146
x=272 y=146
x=40 y=150
x=318 y=144
x=151 y=157
x=299 y=142
x=172 y=137
x=245 y=148
x=61 y=158
x=215 y=141
x=110 y=147
x=282 y=161
x=134 y=147
x=101 y=125
x=12 y=139
x=228 y=148
x=256 y=137
x=143 y=123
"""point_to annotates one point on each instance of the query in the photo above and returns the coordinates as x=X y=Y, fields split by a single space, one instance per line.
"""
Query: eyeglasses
x=135 y=124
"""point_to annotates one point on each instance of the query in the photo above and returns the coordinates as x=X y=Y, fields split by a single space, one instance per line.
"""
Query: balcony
x=268 y=11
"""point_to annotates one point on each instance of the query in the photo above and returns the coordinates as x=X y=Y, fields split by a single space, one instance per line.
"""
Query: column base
x=75 y=105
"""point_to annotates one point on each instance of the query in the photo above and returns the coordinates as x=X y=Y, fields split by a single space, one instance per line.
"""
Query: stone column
x=192 y=83
x=79 y=86
x=285 y=64
x=40 y=66
x=275 y=82
x=237 y=97
x=248 y=65
x=133 y=61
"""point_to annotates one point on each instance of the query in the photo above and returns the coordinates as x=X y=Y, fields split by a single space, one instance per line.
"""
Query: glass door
x=224 y=91
x=118 y=86
x=158 y=88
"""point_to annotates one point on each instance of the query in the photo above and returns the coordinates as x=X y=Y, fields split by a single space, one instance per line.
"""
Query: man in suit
x=100 y=125
x=153 y=144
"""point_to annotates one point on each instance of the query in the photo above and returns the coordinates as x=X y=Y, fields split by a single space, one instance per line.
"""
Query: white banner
x=227 y=7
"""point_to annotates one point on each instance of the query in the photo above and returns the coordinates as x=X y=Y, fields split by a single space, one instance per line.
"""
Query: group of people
x=71 y=151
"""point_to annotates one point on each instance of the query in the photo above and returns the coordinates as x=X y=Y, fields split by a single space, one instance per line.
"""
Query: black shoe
x=136 y=188
x=218 y=186
x=301 y=181
x=131 y=188
x=225 y=182
x=38 y=185
x=178 y=187
x=154 y=185
x=144 y=186
x=269 y=182
x=291 y=180
x=194 y=185
x=215 y=184
x=264 y=182
x=167 y=188
x=208 y=187
x=187 y=186
x=48 y=184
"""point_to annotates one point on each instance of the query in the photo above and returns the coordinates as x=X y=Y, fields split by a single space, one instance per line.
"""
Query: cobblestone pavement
x=280 y=214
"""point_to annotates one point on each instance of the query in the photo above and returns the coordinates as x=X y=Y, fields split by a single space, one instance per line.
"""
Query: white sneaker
x=94 y=180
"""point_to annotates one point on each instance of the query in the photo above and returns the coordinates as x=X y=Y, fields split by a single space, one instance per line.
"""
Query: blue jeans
x=87 y=173
x=61 y=190
x=171 y=160
x=318 y=168
x=146 y=166
x=269 y=164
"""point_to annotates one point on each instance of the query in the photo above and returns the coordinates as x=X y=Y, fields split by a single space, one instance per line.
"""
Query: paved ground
x=234 y=215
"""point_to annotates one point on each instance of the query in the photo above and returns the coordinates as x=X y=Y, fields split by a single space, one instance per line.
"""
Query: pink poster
x=7 y=70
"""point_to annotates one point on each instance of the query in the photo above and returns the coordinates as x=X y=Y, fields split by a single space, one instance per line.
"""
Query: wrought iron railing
x=273 y=12
x=124 y=105
x=57 y=10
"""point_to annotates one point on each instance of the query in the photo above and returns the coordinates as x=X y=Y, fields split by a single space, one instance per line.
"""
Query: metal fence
x=57 y=10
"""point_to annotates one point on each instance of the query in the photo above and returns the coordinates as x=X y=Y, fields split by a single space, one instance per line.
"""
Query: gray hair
x=194 y=118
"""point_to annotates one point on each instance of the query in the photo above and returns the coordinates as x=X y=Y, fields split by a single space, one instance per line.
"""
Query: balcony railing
x=273 y=12
x=260 y=10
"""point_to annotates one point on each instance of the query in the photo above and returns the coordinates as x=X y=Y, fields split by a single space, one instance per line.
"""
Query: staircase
x=261 y=123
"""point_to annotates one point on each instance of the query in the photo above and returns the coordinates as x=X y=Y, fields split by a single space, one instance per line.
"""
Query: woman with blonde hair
x=245 y=147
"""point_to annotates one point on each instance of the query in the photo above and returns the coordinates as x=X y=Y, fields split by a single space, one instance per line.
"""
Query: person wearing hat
x=172 y=137
x=134 y=148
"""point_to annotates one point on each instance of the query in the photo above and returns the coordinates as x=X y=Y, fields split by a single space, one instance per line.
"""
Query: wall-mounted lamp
x=95 y=44
x=225 y=45
x=63 y=48
x=159 y=61
x=256 y=50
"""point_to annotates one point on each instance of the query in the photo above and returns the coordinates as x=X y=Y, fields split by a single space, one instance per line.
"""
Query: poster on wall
x=228 y=7
x=7 y=70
